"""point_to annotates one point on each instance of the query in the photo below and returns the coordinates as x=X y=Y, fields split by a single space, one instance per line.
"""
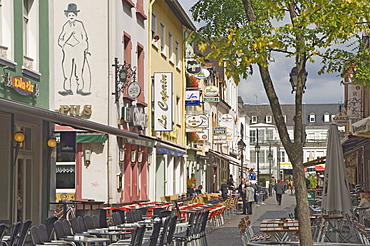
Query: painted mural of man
x=74 y=43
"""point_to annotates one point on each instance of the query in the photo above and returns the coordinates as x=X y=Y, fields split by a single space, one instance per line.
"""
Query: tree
x=242 y=33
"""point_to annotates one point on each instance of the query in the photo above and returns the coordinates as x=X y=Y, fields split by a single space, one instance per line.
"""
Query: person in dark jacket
x=224 y=189
x=279 y=188
x=191 y=191
x=243 y=194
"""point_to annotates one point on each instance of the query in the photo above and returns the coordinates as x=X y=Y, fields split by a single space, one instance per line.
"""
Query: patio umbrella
x=336 y=199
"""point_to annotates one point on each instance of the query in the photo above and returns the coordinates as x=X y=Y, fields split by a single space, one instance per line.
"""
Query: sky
x=324 y=88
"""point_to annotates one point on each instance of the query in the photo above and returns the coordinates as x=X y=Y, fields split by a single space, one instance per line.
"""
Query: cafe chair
x=40 y=236
x=117 y=219
x=121 y=212
x=96 y=221
x=153 y=239
x=89 y=223
x=164 y=213
x=21 y=237
x=136 y=239
x=3 y=227
x=171 y=230
x=14 y=234
x=49 y=223
x=103 y=218
x=157 y=211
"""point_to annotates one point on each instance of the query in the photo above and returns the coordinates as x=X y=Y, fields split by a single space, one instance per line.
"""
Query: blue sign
x=192 y=97
x=68 y=142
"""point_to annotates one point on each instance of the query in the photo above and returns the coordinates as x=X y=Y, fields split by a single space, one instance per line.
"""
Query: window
x=30 y=34
x=252 y=156
x=140 y=70
x=254 y=119
x=269 y=134
x=262 y=156
x=268 y=119
x=282 y=156
x=65 y=176
x=284 y=116
x=177 y=54
x=127 y=47
x=178 y=110
x=140 y=9
x=170 y=47
x=154 y=30
x=252 y=136
x=261 y=135
x=326 y=117
x=2 y=20
x=163 y=39
x=312 y=117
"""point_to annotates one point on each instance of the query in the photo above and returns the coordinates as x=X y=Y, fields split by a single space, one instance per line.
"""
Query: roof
x=180 y=13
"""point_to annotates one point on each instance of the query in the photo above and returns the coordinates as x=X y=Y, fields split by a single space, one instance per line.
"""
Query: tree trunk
x=295 y=153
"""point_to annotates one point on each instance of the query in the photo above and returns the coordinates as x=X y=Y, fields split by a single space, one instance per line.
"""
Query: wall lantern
x=133 y=156
x=52 y=142
x=18 y=137
x=87 y=156
x=140 y=156
x=122 y=152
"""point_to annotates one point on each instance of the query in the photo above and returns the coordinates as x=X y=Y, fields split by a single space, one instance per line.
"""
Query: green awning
x=88 y=138
x=91 y=138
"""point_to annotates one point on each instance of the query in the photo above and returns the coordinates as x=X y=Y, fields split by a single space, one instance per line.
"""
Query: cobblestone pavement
x=228 y=234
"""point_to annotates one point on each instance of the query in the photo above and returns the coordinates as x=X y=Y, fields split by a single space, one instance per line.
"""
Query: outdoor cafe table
x=280 y=229
x=112 y=233
x=87 y=240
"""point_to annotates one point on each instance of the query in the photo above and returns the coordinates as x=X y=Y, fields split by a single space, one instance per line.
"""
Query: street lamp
x=257 y=148
x=241 y=146
x=294 y=79
x=270 y=157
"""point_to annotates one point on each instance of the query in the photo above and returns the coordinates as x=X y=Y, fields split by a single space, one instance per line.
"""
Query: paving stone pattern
x=228 y=234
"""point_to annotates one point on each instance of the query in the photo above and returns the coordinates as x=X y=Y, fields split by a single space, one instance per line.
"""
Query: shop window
x=65 y=176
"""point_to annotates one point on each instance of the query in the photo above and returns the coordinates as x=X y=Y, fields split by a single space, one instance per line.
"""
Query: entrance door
x=23 y=174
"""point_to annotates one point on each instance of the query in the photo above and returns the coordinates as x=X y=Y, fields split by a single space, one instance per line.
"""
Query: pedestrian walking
x=249 y=197
x=243 y=194
x=273 y=183
x=279 y=188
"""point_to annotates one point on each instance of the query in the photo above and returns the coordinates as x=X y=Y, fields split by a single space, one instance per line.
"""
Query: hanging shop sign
x=341 y=119
x=211 y=91
x=219 y=130
x=203 y=74
x=68 y=141
x=194 y=121
x=192 y=97
x=138 y=117
x=193 y=67
x=354 y=102
x=211 y=99
x=21 y=85
x=163 y=104
x=204 y=135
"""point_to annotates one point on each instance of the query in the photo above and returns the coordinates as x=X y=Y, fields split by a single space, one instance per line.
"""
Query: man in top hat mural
x=74 y=43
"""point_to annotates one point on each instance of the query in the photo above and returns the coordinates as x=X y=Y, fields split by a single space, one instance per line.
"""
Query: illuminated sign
x=20 y=84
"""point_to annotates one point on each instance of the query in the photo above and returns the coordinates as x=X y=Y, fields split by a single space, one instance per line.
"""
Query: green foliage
x=330 y=29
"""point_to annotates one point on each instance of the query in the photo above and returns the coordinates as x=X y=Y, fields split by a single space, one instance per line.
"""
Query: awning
x=227 y=157
x=65 y=168
x=142 y=141
x=169 y=148
x=91 y=138
x=320 y=160
x=361 y=128
x=354 y=143
x=319 y=168
x=51 y=116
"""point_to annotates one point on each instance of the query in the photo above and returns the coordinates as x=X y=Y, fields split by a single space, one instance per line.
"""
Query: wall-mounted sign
x=193 y=67
x=194 y=121
x=134 y=90
x=211 y=99
x=203 y=74
x=68 y=141
x=226 y=118
x=84 y=111
x=138 y=117
x=211 y=91
x=192 y=97
x=163 y=104
x=21 y=85
x=340 y=119
x=203 y=136
x=354 y=103
x=219 y=130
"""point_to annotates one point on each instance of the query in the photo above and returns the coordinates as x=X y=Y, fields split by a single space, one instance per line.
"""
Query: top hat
x=72 y=7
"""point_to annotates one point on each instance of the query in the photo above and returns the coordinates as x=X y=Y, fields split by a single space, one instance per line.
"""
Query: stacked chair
x=195 y=233
x=18 y=235
x=247 y=233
